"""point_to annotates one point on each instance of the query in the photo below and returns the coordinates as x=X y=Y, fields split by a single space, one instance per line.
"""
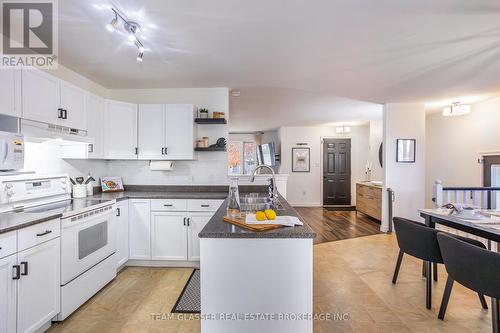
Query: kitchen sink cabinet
x=122 y=237
x=121 y=130
x=196 y=222
x=7 y=295
x=10 y=92
x=140 y=229
x=38 y=290
x=166 y=132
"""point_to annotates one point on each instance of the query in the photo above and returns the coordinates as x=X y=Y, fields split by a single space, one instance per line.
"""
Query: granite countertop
x=14 y=221
x=217 y=228
x=119 y=196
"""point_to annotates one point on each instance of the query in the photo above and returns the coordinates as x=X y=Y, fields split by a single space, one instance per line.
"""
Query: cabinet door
x=95 y=125
x=40 y=96
x=139 y=229
x=168 y=234
x=73 y=103
x=10 y=92
x=7 y=295
x=196 y=222
x=151 y=135
x=38 y=289
x=180 y=132
x=122 y=233
x=121 y=130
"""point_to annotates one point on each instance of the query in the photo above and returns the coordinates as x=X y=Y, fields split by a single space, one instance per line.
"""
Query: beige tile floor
x=350 y=276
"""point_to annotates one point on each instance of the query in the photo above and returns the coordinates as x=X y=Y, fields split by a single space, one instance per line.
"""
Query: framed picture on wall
x=405 y=150
x=301 y=161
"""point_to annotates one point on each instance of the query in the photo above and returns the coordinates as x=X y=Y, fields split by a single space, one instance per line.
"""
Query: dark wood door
x=336 y=171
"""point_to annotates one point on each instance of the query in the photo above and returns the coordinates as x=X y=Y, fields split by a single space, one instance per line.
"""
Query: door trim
x=322 y=139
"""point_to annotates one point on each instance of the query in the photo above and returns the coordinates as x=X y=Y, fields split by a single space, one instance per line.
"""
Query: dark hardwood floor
x=332 y=225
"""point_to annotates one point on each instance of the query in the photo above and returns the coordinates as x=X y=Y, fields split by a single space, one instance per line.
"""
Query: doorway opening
x=336 y=172
x=491 y=178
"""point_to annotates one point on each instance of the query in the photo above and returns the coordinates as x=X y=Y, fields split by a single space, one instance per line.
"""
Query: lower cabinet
x=38 y=289
x=196 y=222
x=7 y=295
x=140 y=229
x=122 y=236
x=169 y=235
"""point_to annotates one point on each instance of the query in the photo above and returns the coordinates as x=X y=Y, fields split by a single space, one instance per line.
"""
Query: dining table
x=483 y=223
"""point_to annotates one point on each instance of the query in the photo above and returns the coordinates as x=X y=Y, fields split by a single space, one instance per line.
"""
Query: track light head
x=111 y=26
x=140 y=56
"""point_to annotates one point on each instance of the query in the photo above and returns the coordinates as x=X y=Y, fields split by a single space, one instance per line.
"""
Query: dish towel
x=288 y=221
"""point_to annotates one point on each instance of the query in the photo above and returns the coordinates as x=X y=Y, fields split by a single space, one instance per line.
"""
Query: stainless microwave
x=11 y=151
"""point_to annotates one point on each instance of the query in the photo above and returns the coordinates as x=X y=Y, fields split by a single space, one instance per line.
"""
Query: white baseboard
x=162 y=263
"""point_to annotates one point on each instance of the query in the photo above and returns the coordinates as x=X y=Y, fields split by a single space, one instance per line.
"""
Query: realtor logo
x=29 y=33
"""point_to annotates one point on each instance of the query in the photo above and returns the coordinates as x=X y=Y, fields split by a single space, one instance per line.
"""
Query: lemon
x=270 y=214
x=260 y=216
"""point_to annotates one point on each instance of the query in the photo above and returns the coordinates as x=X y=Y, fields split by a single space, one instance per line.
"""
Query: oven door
x=85 y=242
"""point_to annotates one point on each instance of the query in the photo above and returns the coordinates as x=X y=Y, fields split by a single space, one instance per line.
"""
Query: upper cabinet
x=180 y=131
x=10 y=92
x=48 y=99
x=152 y=128
x=41 y=97
x=120 y=130
x=166 y=132
x=95 y=125
x=73 y=106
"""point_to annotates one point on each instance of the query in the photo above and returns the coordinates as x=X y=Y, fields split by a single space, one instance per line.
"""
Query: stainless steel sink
x=254 y=202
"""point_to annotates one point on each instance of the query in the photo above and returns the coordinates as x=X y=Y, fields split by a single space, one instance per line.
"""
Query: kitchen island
x=256 y=281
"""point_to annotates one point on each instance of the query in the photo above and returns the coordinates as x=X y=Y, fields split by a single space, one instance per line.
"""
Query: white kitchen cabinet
x=121 y=130
x=151 y=136
x=169 y=235
x=122 y=237
x=10 y=92
x=73 y=105
x=7 y=294
x=38 y=290
x=196 y=222
x=40 y=96
x=95 y=125
x=180 y=132
x=140 y=229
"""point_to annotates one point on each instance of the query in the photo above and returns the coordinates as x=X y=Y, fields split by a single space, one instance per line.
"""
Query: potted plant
x=203 y=113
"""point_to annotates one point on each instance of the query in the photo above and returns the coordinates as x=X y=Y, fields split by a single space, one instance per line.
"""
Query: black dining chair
x=473 y=267
x=420 y=241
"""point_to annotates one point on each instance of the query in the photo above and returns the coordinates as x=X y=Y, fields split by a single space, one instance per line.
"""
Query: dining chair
x=473 y=267
x=420 y=241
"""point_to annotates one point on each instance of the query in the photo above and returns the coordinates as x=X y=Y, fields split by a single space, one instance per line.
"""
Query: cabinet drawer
x=166 y=205
x=38 y=233
x=8 y=244
x=204 y=205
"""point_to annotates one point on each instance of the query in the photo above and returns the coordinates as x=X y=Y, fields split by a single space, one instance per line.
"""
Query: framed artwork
x=301 y=161
x=406 y=150
x=111 y=184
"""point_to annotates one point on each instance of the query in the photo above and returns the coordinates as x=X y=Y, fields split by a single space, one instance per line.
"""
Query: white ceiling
x=380 y=51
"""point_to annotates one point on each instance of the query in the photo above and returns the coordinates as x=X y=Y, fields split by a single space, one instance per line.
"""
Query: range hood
x=35 y=131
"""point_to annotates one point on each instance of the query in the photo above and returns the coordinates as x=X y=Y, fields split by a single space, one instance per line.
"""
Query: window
x=242 y=157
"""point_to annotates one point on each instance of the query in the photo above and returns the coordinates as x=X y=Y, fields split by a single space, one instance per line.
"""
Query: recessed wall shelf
x=210 y=149
x=210 y=121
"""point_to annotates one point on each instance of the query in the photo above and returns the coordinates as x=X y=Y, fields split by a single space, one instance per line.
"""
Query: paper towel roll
x=161 y=165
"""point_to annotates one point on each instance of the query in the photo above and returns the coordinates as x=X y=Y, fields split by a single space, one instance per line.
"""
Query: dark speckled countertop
x=14 y=221
x=217 y=228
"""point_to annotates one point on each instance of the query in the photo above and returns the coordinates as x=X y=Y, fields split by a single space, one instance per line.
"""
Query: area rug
x=189 y=301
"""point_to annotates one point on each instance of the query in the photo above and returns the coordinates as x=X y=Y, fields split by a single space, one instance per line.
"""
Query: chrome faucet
x=274 y=193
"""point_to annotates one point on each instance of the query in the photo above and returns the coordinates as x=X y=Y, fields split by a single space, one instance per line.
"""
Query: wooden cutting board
x=253 y=227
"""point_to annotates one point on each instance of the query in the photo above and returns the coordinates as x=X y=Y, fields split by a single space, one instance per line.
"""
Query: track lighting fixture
x=131 y=28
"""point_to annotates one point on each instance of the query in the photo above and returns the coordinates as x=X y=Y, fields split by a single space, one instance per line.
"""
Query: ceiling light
x=132 y=38
x=140 y=56
x=456 y=109
x=139 y=46
x=343 y=129
x=112 y=25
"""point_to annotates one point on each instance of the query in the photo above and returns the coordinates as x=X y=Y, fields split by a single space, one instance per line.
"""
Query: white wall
x=404 y=121
x=454 y=145
x=305 y=189
x=376 y=138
